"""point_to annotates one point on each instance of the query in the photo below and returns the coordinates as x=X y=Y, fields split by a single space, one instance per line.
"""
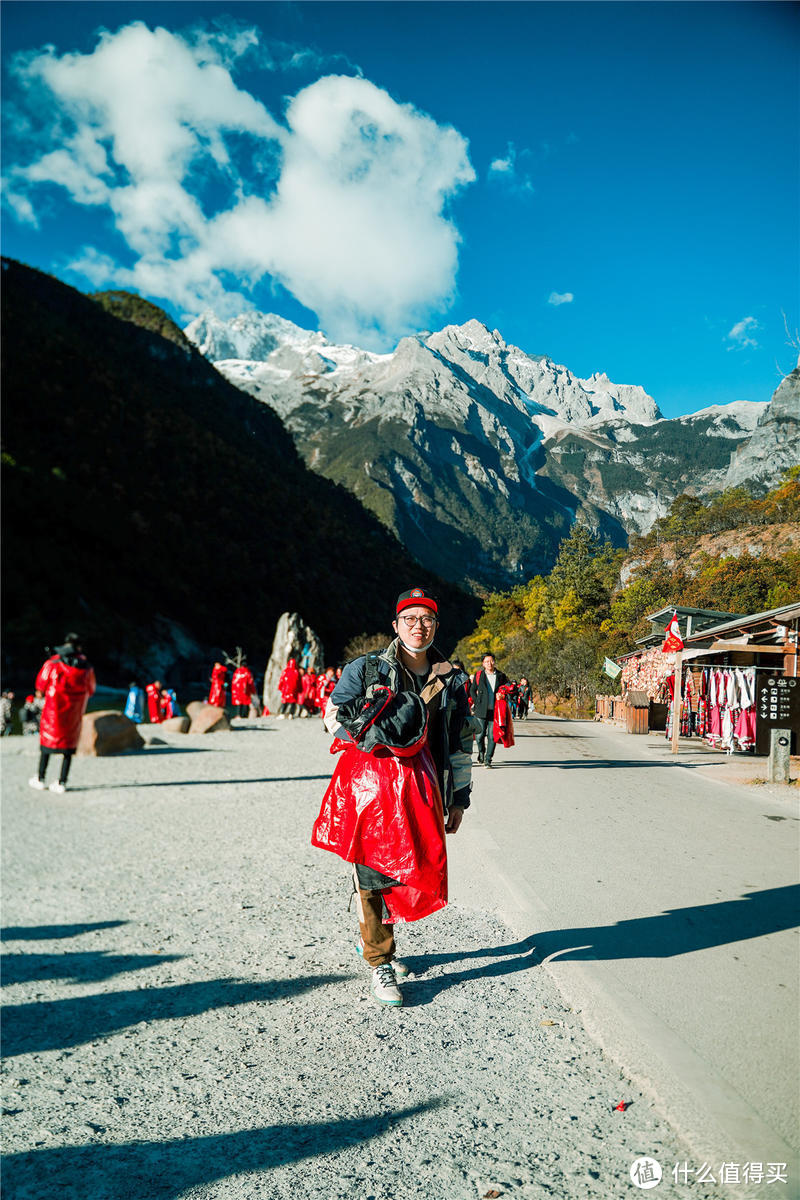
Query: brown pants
x=378 y=938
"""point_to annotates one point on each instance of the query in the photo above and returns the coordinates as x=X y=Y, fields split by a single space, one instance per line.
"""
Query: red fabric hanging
x=503 y=726
x=385 y=812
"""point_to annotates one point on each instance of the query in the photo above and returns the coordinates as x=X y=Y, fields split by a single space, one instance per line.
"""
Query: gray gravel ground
x=186 y=1015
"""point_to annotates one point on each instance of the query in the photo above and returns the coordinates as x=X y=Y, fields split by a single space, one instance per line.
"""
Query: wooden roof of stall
x=764 y=630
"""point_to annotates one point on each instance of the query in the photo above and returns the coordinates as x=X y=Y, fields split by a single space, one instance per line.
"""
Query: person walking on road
x=484 y=689
x=387 y=812
x=67 y=681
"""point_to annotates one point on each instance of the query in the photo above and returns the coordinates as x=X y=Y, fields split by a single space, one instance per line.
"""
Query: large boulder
x=293 y=639
x=209 y=719
x=176 y=724
x=104 y=733
x=194 y=707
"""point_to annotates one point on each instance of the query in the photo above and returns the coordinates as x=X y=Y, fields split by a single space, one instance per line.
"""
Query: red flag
x=672 y=636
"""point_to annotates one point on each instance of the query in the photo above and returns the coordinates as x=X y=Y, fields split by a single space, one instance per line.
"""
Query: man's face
x=488 y=664
x=416 y=626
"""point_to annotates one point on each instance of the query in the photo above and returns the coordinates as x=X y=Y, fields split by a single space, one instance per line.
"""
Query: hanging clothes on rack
x=731 y=723
x=702 y=705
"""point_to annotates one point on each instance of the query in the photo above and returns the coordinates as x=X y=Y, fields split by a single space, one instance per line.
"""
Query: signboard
x=778 y=703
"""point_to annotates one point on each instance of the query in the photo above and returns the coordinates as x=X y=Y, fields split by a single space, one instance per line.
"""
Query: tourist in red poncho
x=243 y=687
x=166 y=704
x=67 y=681
x=289 y=687
x=216 y=695
x=308 y=693
x=325 y=685
x=155 y=711
x=401 y=721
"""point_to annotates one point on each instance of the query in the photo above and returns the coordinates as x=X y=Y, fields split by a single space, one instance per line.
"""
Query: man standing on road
x=394 y=807
x=484 y=689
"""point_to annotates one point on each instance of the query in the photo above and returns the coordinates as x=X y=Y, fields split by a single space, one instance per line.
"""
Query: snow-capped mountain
x=476 y=453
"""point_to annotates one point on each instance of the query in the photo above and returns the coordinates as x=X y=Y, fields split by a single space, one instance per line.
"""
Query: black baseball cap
x=417 y=596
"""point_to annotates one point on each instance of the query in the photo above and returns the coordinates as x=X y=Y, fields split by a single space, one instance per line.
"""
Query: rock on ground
x=108 y=732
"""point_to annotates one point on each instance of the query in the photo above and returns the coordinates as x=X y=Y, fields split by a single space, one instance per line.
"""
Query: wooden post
x=676 y=701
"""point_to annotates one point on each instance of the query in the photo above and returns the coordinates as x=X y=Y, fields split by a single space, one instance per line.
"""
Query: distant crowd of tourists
x=66 y=681
x=159 y=702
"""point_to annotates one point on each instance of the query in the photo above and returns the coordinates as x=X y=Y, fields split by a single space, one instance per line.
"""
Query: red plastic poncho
x=289 y=683
x=242 y=686
x=385 y=812
x=154 y=710
x=325 y=686
x=216 y=695
x=503 y=726
x=308 y=693
x=66 y=694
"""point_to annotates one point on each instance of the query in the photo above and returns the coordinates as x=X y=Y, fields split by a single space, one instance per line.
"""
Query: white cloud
x=343 y=202
x=557 y=298
x=740 y=334
x=506 y=171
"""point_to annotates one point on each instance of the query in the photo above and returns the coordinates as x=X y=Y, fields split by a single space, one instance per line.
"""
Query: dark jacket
x=449 y=721
x=482 y=697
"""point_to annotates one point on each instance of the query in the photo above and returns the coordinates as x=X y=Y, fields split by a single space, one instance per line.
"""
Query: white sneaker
x=37 y=783
x=58 y=788
x=384 y=986
x=401 y=969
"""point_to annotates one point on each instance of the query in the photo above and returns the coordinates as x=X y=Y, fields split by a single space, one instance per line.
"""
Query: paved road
x=186 y=1016
x=665 y=904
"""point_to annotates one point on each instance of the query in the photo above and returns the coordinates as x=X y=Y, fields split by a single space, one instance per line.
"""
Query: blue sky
x=613 y=185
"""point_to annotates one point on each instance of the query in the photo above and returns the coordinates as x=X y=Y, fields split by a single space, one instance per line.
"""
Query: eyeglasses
x=425 y=622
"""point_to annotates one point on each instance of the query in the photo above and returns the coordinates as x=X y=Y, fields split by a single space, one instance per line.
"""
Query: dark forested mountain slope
x=138 y=483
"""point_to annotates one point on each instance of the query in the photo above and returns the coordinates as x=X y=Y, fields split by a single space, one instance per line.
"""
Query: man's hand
x=454 y=819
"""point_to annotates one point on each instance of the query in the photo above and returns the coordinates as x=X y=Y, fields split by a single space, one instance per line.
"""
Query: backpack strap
x=371 y=675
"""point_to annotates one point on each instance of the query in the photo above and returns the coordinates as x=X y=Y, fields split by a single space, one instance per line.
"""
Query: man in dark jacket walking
x=410 y=663
x=483 y=691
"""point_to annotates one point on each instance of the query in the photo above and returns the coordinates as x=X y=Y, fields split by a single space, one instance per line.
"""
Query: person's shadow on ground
x=593 y=764
x=82 y=966
x=162 y=1170
x=47 y=933
x=675 y=932
x=215 y=783
x=57 y=1024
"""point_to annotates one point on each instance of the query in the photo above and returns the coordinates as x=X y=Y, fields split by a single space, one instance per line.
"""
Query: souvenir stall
x=723 y=667
x=728 y=667
x=718 y=704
